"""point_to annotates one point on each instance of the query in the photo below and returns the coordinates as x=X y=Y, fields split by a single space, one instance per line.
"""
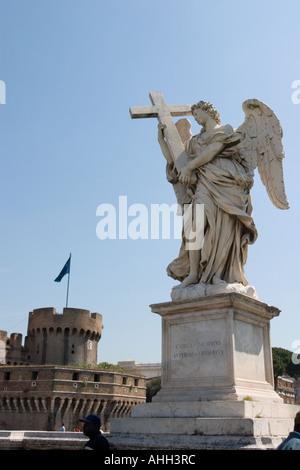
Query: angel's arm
x=210 y=151
x=206 y=156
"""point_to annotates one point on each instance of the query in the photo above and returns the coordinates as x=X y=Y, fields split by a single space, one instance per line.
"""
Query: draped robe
x=223 y=186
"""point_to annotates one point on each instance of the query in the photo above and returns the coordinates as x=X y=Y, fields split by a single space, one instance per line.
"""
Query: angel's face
x=200 y=116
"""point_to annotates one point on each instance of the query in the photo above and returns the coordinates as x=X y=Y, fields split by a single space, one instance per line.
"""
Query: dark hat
x=297 y=418
x=92 y=419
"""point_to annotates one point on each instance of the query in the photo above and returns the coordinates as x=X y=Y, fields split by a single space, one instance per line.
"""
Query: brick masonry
x=42 y=384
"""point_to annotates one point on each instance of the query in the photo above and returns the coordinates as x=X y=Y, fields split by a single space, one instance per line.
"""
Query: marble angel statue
x=219 y=174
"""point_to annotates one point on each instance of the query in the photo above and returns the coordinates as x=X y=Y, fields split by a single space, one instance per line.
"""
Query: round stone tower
x=63 y=339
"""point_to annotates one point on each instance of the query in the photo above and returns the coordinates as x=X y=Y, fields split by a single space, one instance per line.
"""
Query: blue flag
x=65 y=270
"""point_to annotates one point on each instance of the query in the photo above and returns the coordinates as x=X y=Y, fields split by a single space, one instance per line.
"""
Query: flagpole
x=68 y=283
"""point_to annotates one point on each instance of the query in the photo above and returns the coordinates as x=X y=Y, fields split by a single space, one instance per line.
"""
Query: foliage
x=110 y=367
x=101 y=366
x=152 y=387
x=283 y=364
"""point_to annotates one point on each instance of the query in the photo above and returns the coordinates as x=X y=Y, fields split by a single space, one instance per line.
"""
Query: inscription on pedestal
x=198 y=350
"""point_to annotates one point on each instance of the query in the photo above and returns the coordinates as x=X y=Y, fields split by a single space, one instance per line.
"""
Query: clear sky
x=72 y=69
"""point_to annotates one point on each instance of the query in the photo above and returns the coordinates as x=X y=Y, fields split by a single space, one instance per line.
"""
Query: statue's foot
x=189 y=280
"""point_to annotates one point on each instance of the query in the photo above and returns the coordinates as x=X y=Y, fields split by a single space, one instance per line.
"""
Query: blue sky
x=72 y=69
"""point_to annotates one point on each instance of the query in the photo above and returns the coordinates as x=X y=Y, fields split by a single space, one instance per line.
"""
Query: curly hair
x=209 y=109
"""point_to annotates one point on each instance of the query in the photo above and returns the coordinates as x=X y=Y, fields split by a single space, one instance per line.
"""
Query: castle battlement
x=64 y=338
x=77 y=321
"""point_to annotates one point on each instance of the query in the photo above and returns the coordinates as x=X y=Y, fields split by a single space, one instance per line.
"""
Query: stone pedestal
x=216 y=348
x=217 y=380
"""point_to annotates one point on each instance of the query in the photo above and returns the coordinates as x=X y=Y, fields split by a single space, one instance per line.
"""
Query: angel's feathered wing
x=183 y=127
x=262 y=148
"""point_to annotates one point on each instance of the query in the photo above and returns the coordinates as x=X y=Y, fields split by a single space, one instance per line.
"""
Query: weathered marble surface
x=216 y=348
x=215 y=169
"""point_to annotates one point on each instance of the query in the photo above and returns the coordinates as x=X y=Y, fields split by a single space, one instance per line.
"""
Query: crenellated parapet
x=77 y=321
x=11 y=349
x=63 y=339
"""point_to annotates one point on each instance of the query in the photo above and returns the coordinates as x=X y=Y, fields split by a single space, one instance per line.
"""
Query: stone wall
x=297 y=391
x=42 y=397
x=11 y=349
x=68 y=338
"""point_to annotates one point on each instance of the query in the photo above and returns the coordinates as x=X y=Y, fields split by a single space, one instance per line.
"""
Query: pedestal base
x=174 y=442
x=217 y=380
x=228 y=425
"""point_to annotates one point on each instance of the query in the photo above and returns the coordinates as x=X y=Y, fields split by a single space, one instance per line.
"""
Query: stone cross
x=164 y=113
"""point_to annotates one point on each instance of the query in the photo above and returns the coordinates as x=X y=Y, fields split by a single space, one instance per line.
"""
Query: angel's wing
x=262 y=148
x=184 y=129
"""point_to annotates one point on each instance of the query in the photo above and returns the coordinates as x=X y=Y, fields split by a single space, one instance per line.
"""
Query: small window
x=6 y=375
x=136 y=382
x=75 y=376
x=96 y=377
x=124 y=380
x=34 y=375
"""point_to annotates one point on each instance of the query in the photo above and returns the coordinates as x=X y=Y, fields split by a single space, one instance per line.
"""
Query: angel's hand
x=185 y=175
x=161 y=131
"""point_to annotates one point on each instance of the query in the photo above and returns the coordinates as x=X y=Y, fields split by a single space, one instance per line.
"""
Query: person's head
x=202 y=109
x=297 y=422
x=91 y=425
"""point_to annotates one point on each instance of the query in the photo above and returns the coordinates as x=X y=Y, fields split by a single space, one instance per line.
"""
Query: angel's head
x=203 y=108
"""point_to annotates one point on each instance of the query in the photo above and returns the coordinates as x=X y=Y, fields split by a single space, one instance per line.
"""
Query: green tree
x=101 y=366
x=152 y=387
x=110 y=367
x=283 y=364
